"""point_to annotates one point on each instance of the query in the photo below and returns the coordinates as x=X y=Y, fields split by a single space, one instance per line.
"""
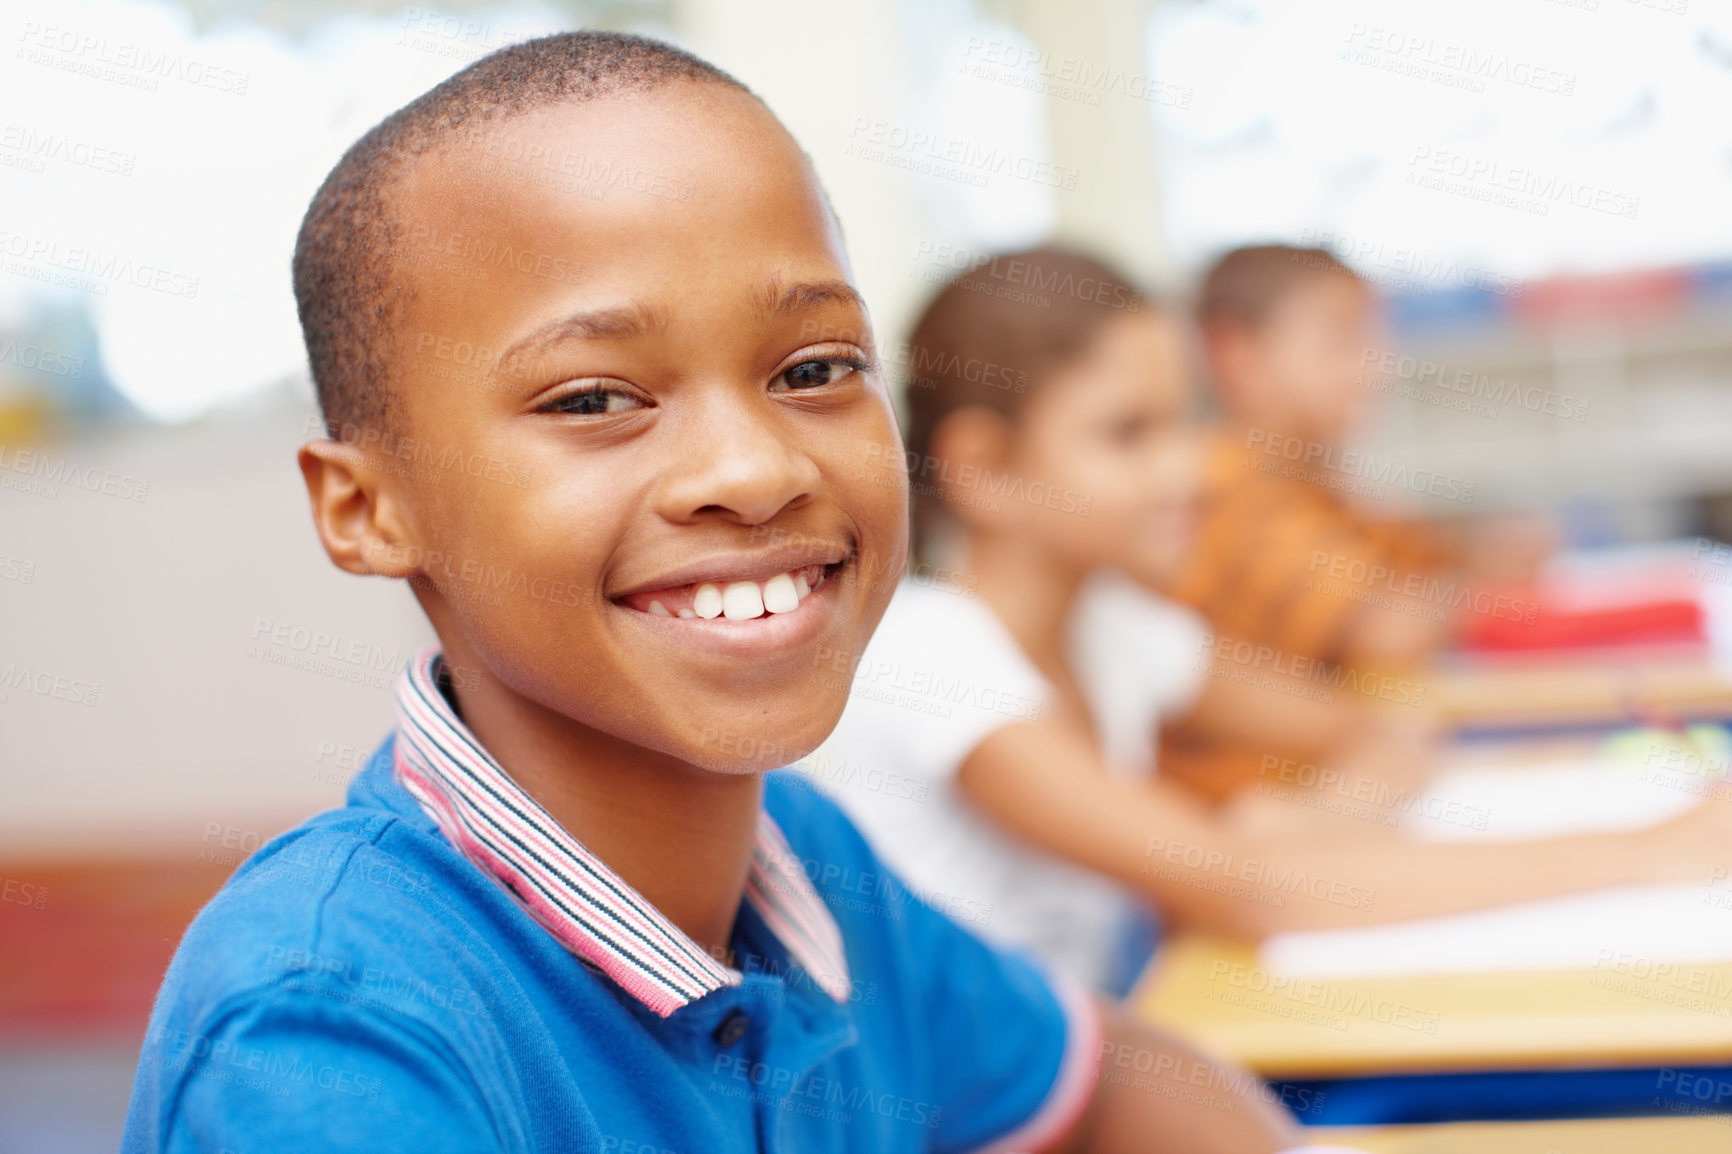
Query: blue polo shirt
x=439 y=967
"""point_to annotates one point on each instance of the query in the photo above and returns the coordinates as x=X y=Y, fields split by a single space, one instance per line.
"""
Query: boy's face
x=1110 y=432
x=632 y=329
x=1299 y=373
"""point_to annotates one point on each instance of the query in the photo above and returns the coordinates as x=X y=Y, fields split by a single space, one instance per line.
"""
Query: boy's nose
x=737 y=460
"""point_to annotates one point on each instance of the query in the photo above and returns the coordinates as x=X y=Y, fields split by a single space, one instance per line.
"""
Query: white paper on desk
x=1512 y=803
x=1669 y=923
x=1688 y=923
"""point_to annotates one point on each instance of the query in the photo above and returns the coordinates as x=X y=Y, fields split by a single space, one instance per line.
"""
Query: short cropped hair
x=1245 y=286
x=348 y=288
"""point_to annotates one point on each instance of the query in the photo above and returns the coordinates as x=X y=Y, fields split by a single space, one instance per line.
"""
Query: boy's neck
x=1029 y=591
x=680 y=835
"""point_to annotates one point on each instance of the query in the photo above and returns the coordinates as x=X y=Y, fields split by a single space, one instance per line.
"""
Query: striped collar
x=573 y=894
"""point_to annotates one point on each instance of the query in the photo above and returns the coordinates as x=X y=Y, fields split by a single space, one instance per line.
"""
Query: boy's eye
x=815 y=373
x=594 y=401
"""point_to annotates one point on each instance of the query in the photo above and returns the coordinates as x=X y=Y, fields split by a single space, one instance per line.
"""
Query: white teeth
x=707 y=601
x=781 y=595
x=744 y=600
x=741 y=601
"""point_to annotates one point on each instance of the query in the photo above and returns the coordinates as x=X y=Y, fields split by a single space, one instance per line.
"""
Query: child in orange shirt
x=1284 y=561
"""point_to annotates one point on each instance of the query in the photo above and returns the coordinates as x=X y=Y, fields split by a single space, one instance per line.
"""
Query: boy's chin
x=763 y=745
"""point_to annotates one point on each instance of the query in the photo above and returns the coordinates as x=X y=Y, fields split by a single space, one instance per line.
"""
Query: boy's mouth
x=735 y=599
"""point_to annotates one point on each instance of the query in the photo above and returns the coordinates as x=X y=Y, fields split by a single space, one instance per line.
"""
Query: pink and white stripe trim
x=573 y=894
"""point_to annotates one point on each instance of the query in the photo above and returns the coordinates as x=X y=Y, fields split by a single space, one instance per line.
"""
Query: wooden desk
x=1574 y=689
x=1212 y=992
x=1695 y=1135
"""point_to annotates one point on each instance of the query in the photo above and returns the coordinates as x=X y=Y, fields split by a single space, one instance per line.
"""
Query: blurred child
x=1285 y=561
x=997 y=746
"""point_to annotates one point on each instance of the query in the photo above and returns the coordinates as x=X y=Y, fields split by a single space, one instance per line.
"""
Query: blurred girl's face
x=1109 y=460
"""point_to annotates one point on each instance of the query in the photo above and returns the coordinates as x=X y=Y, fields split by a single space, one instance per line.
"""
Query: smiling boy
x=563 y=909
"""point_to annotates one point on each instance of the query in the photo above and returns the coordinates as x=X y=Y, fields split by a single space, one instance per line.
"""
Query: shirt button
x=733 y=1028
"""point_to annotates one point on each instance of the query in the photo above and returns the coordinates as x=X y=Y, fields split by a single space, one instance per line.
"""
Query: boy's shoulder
x=364 y=904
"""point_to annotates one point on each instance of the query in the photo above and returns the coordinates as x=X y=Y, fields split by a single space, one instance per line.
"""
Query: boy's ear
x=971 y=444
x=357 y=512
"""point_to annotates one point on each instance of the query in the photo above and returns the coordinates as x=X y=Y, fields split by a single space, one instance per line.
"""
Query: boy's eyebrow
x=633 y=320
x=800 y=297
x=598 y=324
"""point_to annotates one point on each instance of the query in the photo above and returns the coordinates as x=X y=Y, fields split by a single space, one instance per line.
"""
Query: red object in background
x=87 y=943
x=1654 y=623
x=1648 y=292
